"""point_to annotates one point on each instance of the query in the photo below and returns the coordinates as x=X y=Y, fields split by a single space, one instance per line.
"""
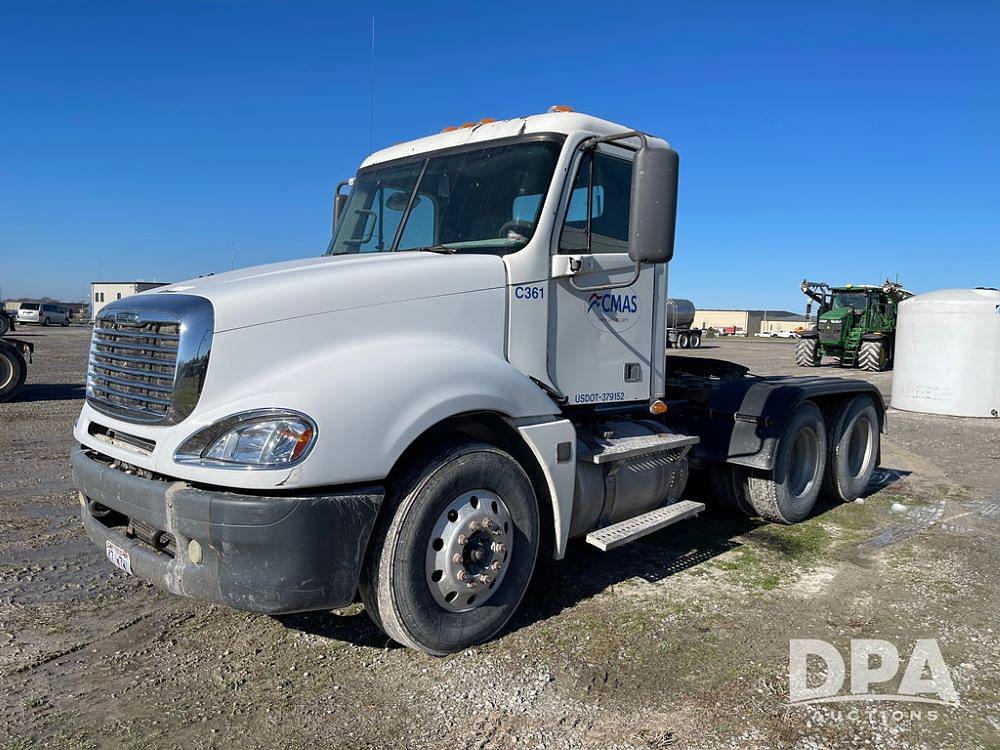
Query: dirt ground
x=679 y=640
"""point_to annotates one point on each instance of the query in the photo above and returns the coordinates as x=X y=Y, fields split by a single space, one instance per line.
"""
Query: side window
x=608 y=181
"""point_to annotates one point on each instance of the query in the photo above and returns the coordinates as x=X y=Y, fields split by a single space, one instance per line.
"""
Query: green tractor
x=855 y=324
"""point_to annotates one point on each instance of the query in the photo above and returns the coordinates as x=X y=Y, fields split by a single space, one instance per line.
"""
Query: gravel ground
x=679 y=640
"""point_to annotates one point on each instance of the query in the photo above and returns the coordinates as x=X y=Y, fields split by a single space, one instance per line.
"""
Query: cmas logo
x=617 y=311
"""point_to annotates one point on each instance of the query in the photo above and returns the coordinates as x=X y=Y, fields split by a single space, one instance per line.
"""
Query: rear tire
x=399 y=587
x=13 y=371
x=65 y=323
x=682 y=341
x=45 y=321
x=788 y=493
x=852 y=455
x=729 y=486
x=873 y=356
x=695 y=340
x=807 y=353
x=4 y=324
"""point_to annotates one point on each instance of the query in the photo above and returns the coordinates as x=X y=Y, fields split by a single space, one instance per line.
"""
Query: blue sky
x=842 y=142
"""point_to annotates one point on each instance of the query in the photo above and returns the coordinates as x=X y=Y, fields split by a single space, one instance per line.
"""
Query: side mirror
x=339 y=201
x=653 y=213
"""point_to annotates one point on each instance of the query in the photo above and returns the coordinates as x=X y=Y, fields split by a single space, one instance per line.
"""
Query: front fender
x=372 y=398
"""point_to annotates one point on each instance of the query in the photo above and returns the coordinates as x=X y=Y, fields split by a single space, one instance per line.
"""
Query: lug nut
x=473 y=526
x=496 y=565
x=462 y=540
x=487 y=523
x=456 y=558
x=462 y=575
x=485 y=578
x=499 y=547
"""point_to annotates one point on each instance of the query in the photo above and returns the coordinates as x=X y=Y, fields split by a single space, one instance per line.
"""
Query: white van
x=45 y=314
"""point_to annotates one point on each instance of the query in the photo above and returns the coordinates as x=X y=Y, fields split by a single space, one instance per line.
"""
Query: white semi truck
x=473 y=374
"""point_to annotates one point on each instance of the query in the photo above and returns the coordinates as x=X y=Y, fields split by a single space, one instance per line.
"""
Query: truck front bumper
x=273 y=554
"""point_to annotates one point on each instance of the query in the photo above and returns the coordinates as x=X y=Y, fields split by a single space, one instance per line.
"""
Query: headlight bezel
x=192 y=450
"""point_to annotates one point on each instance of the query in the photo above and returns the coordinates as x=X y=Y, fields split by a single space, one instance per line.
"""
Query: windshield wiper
x=437 y=249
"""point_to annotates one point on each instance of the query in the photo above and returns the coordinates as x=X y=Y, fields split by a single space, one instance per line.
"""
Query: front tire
x=807 y=353
x=454 y=549
x=873 y=356
x=854 y=440
x=788 y=493
x=65 y=323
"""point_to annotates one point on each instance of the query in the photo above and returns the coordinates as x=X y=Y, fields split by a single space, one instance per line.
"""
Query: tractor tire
x=695 y=341
x=683 y=342
x=853 y=448
x=4 y=324
x=788 y=492
x=728 y=483
x=873 y=356
x=807 y=353
x=13 y=371
x=438 y=577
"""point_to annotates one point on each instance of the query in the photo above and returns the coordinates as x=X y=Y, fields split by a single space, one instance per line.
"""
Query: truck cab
x=472 y=374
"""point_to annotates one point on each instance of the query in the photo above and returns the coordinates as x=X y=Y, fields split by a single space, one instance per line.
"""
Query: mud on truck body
x=475 y=373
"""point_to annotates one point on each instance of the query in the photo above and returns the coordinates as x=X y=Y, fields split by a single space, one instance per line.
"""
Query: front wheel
x=454 y=549
x=65 y=323
x=807 y=353
x=873 y=356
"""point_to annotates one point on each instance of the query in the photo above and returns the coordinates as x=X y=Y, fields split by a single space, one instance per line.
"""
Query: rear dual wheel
x=454 y=549
x=835 y=456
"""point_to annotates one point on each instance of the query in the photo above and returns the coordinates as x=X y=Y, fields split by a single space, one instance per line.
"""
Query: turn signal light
x=657 y=407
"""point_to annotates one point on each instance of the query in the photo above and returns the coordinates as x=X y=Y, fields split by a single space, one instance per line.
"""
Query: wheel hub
x=469 y=550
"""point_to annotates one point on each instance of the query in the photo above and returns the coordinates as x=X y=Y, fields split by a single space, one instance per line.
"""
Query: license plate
x=118 y=557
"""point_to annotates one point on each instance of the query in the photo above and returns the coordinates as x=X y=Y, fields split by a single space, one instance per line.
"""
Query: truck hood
x=313 y=286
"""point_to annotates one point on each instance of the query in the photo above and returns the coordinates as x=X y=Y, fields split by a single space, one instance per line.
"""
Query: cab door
x=603 y=312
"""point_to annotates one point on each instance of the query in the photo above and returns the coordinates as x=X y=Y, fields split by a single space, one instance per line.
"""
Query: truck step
x=618 y=449
x=631 y=529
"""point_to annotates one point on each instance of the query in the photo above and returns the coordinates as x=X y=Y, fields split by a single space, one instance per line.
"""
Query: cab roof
x=551 y=122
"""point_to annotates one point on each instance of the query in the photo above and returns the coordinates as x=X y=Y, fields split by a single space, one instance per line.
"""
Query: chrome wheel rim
x=6 y=372
x=859 y=447
x=803 y=462
x=469 y=551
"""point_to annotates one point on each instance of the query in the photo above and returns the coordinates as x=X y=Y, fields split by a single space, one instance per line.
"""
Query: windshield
x=854 y=300
x=487 y=199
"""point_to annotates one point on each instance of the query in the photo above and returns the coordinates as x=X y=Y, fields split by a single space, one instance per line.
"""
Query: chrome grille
x=148 y=357
x=133 y=365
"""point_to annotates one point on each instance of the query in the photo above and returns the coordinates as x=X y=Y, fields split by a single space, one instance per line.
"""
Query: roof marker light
x=448 y=128
x=560 y=108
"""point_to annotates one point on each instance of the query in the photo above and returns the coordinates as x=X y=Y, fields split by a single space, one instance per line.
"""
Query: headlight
x=262 y=439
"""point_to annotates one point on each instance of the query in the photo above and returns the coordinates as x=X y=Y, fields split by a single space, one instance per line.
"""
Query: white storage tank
x=947 y=358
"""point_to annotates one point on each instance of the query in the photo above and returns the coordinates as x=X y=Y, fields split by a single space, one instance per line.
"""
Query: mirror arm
x=592 y=143
x=615 y=285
